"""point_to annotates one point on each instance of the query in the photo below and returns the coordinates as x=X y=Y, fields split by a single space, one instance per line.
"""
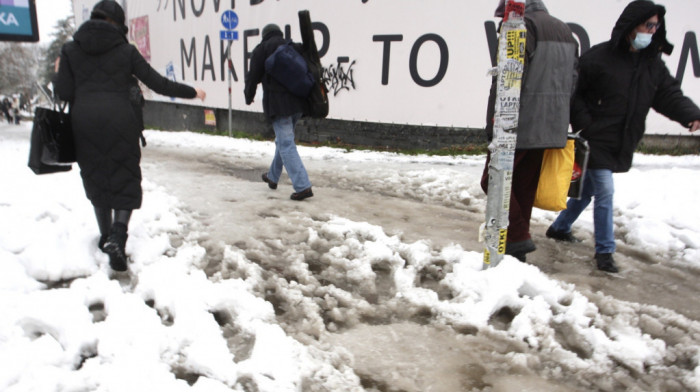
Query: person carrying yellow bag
x=549 y=78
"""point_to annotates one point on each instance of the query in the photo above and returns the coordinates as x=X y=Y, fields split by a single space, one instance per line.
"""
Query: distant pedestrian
x=283 y=109
x=15 y=110
x=619 y=81
x=96 y=75
x=549 y=78
x=6 y=106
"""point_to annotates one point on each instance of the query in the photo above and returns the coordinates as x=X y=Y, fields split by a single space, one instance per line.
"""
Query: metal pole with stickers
x=509 y=73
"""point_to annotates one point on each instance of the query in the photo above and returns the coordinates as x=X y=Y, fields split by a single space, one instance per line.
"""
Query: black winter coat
x=616 y=89
x=277 y=101
x=95 y=75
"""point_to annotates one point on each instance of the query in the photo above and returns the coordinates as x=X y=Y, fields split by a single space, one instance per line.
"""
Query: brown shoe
x=302 y=195
x=270 y=184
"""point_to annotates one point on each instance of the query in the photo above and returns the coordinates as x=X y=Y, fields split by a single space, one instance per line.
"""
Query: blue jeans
x=598 y=184
x=286 y=154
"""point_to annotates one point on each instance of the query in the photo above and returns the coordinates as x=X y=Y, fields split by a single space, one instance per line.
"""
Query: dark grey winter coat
x=616 y=89
x=95 y=76
x=277 y=100
x=549 y=80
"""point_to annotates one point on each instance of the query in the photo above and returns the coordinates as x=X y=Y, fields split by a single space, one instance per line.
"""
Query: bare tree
x=25 y=64
x=63 y=33
x=18 y=72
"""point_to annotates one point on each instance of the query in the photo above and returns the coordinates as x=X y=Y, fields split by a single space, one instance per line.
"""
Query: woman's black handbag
x=51 y=147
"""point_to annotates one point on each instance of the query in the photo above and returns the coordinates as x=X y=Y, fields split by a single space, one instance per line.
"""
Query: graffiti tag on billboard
x=337 y=78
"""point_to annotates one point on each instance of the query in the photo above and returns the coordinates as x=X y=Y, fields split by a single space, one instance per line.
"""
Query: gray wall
x=178 y=117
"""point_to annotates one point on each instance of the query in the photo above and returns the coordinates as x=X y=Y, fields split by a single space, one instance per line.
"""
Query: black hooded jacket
x=617 y=87
x=277 y=100
x=96 y=73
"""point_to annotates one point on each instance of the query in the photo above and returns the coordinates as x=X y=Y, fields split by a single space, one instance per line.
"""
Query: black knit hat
x=270 y=28
x=112 y=10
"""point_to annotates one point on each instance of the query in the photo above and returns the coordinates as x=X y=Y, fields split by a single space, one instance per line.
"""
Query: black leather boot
x=104 y=222
x=115 y=247
x=520 y=249
x=101 y=242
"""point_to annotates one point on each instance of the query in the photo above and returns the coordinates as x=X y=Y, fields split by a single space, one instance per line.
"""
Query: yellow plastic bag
x=555 y=178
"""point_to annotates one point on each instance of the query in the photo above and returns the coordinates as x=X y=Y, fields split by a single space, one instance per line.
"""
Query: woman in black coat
x=95 y=74
x=619 y=82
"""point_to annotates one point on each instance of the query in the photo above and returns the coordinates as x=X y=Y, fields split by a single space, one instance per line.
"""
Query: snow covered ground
x=346 y=291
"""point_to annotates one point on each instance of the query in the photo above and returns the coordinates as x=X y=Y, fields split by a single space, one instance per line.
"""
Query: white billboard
x=393 y=61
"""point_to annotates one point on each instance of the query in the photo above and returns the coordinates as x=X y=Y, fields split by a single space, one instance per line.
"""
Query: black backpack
x=289 y=68
x=317 y=99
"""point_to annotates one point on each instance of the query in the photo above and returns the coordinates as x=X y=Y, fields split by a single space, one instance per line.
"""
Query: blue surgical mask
x=641 y=41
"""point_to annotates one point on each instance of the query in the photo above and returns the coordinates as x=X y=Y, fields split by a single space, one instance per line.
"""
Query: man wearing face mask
x=619 y=81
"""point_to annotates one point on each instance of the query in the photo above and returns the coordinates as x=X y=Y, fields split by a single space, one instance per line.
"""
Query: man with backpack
x=283 y=109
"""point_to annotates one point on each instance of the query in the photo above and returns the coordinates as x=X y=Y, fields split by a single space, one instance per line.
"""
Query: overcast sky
x=48 y=13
